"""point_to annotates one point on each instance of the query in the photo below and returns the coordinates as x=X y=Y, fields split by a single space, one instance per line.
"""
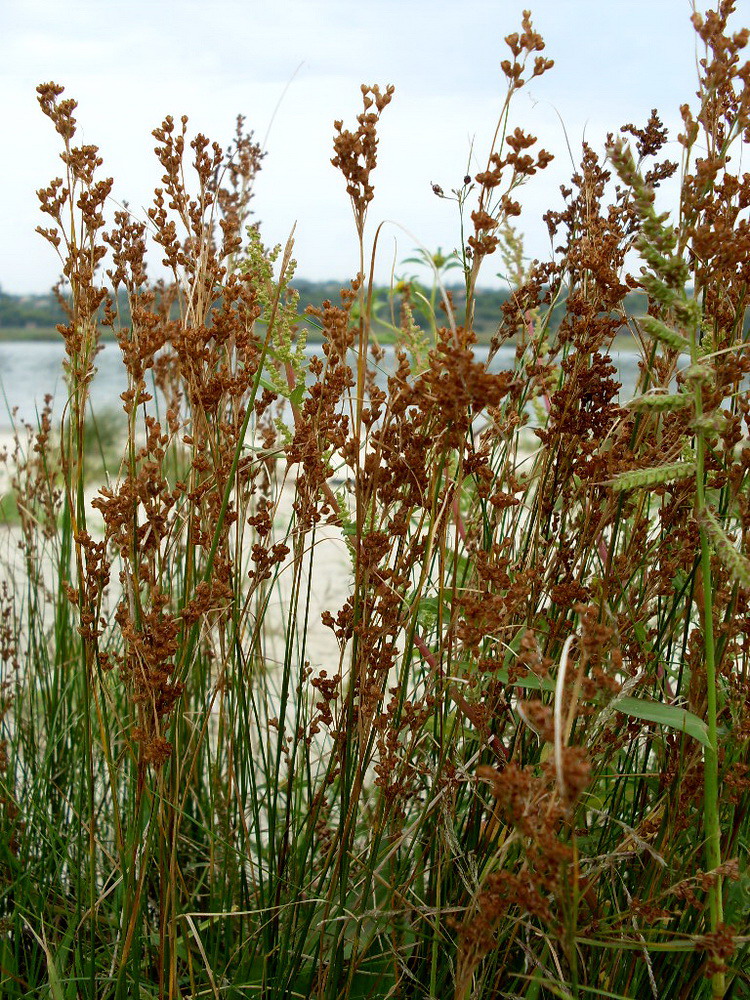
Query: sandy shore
x=328 y=584
x=324 y=587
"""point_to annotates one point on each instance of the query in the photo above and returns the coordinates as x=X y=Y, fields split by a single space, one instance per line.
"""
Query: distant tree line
x=29 y=311
x=35 y=316
x=43 y=312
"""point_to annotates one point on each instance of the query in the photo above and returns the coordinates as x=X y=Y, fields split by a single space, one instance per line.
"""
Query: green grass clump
x=511 y=758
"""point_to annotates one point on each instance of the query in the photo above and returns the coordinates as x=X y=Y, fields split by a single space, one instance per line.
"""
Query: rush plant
x=378 y=674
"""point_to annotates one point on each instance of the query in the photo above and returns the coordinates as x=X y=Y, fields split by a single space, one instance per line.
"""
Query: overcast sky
x=292 y=67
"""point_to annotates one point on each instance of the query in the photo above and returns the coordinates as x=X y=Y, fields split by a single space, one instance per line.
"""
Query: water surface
x=31 y=369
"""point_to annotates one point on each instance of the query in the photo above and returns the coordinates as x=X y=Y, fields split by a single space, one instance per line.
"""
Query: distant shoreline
x=39 y=335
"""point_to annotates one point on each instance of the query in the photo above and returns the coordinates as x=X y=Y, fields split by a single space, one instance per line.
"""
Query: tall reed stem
x=711 y=757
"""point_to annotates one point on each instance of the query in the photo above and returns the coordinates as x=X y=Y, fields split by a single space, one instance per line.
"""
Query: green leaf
x=665 y=715
x=529 y=683
x=428 y=609
x=297 y=395
x=640 y=708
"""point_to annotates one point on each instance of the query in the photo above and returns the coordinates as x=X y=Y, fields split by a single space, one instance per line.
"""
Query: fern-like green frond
x=663 y=333
x=736 y=564
x=654 y=476
x=660 y=402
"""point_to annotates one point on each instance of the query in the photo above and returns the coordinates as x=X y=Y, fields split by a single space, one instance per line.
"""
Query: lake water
x=29 y=370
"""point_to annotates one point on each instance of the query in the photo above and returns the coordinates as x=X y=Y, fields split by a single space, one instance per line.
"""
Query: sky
x=292 y=67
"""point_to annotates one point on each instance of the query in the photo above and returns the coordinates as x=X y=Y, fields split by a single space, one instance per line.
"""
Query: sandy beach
x=328 y=582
